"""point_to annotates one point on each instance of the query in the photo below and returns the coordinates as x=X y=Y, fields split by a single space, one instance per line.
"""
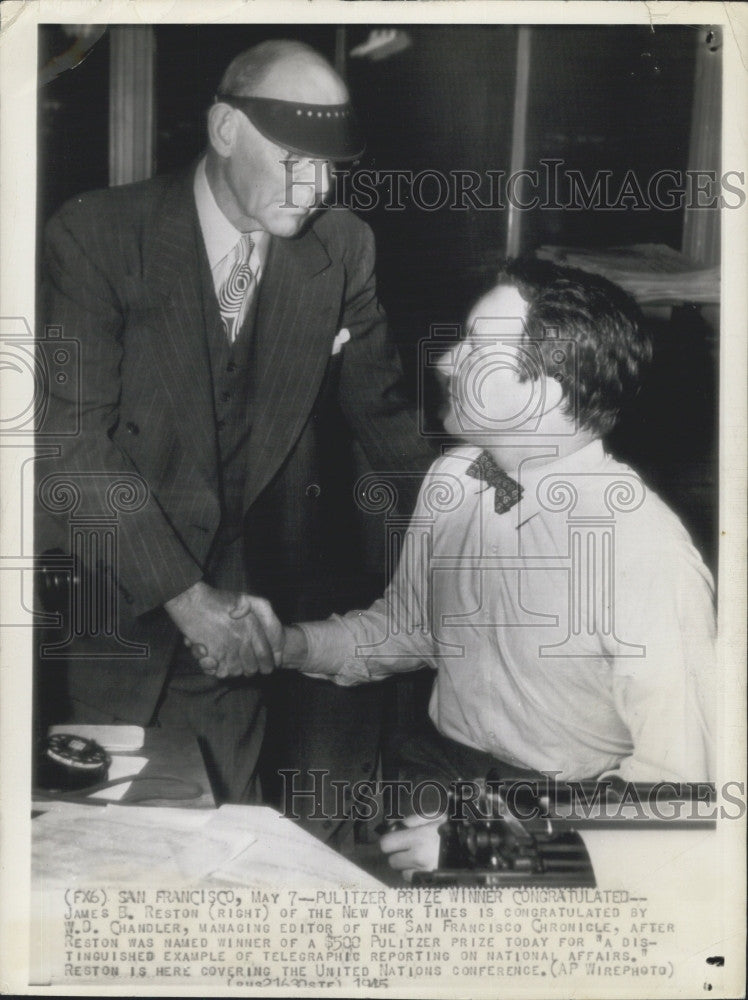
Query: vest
x=231 y=374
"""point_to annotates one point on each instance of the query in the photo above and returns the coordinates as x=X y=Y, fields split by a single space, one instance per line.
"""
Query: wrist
x=295 y=648
x=183 y=603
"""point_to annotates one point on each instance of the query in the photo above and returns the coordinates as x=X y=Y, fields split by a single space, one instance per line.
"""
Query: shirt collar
x=220 y=235
x=533 y=471
x=531 y=475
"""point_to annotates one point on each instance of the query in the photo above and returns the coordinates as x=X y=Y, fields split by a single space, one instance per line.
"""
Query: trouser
x=228 y=720
x=433 y=758
x=319 y=734
x=226 y=716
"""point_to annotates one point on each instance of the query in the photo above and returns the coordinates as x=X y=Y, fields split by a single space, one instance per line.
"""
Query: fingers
x=268 y=621
x=414 y=848
x=246 y=651
x=250 y=652
x=235 y=659
x=415 y=819
x=242 y=607
x=208 y=665
x=241 y=636
x=263 y=654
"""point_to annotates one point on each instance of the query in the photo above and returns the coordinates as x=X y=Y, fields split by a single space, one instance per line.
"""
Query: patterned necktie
x=508 y=491
x=234 y=289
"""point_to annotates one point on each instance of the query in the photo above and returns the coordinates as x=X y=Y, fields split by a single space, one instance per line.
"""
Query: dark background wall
x=600 y=98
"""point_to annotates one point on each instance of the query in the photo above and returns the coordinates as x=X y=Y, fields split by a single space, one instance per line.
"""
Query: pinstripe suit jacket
x=122 y=278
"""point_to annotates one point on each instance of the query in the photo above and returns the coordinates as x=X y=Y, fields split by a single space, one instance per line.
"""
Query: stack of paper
x=241 y=845
x=651 y=272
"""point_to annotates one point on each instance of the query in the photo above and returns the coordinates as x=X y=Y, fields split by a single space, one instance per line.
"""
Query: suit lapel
x=173 y=272
x=297 y=311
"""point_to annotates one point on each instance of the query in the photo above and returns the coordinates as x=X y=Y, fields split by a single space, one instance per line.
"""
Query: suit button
x=313 y=490
x=132 y=428
x=225 y=396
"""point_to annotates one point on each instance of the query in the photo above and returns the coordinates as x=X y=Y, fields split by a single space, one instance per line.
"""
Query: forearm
x=352 y=649
x=295 y=648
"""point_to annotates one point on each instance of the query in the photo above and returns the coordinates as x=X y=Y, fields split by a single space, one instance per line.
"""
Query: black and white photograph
x=373 y=460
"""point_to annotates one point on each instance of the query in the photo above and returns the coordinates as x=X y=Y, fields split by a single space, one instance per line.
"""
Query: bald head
x=272 y=142
x=285 y=70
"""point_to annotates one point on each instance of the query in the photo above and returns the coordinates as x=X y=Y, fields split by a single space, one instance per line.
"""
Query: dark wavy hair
x=601 y=373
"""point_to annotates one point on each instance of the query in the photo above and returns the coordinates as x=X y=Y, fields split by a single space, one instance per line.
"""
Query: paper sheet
x=111 y=738
x=283 y=854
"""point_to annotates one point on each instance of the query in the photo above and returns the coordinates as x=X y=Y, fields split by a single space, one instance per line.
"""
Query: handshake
x=234 y=634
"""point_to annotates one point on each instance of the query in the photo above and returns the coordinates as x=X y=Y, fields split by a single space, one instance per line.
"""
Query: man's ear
x=554 y=393
x=222 y=128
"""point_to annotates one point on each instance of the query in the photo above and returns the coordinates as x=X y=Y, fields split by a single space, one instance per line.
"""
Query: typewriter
x=527 y=833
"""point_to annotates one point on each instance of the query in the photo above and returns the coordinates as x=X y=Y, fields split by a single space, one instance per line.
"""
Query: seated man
x=568 y=616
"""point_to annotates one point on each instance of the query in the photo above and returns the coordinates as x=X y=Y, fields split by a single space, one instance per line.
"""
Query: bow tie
x=508 y=491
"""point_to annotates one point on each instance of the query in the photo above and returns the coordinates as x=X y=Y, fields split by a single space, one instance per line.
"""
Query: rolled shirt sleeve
x=393 y=636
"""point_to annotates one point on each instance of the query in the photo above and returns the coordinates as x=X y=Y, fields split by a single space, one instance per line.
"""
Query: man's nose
x=449 y=364
x=314 y=176
x=323 y=178
x=445 y=365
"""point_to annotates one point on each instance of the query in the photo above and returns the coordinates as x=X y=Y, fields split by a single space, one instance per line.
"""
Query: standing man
x=220 y=318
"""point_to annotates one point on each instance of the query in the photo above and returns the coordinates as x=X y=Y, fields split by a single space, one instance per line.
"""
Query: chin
x=448 y=422
x=286 y=227
x=456 y=430
x=290 y=225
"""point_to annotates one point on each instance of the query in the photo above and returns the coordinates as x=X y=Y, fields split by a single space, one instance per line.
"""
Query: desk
x=171 y=753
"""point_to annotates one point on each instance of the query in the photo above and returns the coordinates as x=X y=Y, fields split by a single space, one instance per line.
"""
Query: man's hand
x=416 y=848
x=230 y=634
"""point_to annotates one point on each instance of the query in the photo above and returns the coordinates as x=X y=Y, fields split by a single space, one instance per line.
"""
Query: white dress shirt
x=575 y=638
x=221 y=236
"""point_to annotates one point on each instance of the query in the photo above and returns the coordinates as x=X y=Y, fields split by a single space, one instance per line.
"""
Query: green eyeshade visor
x=326 y=131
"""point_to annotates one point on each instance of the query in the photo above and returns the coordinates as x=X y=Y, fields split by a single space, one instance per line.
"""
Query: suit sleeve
x=150 y=564
x=372 y=393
